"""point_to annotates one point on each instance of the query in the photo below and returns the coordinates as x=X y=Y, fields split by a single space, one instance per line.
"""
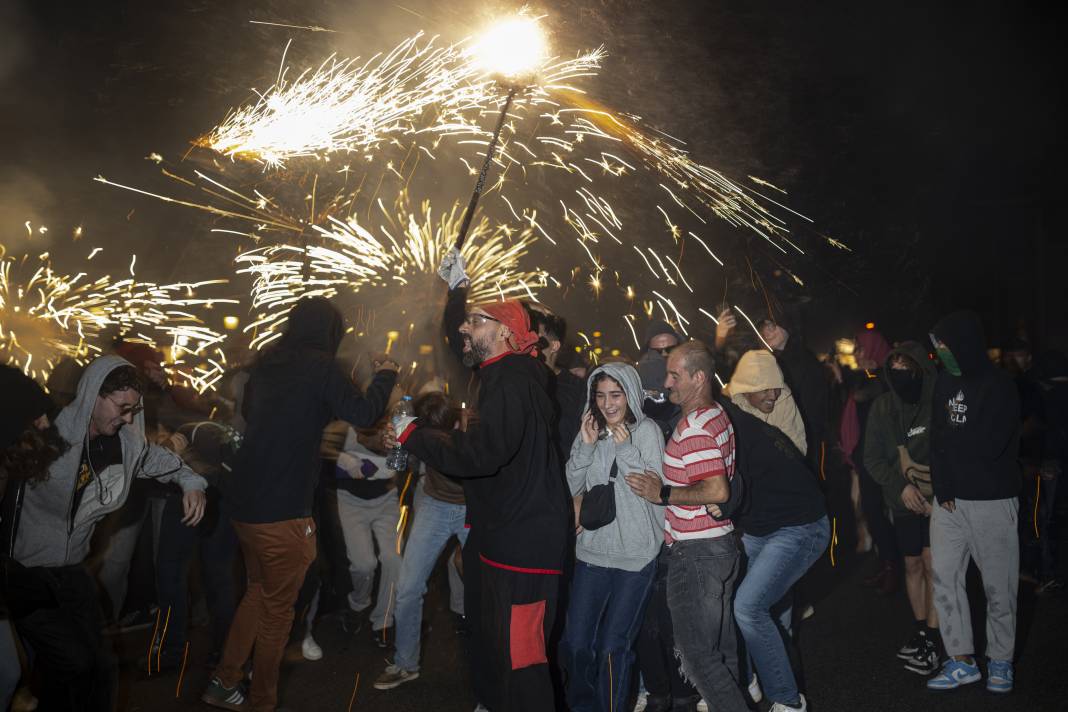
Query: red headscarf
x=512 y=314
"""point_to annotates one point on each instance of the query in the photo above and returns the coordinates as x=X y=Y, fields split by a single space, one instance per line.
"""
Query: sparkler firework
x=430 y=103
x=403 y=251
x=47 y=316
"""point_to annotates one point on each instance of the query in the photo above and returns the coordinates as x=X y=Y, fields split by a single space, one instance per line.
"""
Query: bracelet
x=665 y=494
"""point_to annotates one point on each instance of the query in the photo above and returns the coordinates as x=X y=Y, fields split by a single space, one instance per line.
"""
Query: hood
x=917 y=353
x=314 y=324
x=656 y=328
x=24 y=402
x=627 y=376
x=73 y=421
x=756 y=371
x=962 y=332
x=874 y=344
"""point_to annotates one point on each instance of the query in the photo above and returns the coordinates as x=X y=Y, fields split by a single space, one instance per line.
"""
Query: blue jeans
x=604 y=614
x=435 y=522
x=701 y=578
x=776 y=562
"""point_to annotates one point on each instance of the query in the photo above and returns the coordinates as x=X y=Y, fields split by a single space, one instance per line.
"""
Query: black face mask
x=907 y=384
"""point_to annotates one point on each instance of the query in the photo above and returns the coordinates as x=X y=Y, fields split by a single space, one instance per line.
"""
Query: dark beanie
x=658 y=327
x=24 y=402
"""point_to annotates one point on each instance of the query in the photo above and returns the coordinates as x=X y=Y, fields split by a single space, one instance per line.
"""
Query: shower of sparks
x=431 y=103
x=405 y=247
x=354 y=106
x=46 y=316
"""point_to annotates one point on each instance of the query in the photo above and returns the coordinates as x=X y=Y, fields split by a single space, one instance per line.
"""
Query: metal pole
x=469 y=213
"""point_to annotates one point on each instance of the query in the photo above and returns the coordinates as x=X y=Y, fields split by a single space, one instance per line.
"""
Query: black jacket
x=517 y=501
x=569 y=396
x=975 y=424
x=781 y=490
x=807 y=378
x=293 y=391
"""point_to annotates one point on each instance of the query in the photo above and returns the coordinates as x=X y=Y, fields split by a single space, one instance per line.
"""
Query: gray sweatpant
x=365 y=523
x=986 y=532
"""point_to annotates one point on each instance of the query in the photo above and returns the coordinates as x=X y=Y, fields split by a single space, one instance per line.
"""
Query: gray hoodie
x=46 y=536
x=634 y=538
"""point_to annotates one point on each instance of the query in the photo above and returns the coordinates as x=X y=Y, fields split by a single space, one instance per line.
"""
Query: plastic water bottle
x=397 y=459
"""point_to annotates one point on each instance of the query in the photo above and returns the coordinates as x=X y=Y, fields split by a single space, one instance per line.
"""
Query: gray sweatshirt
x=634 y=538
x=46 y=536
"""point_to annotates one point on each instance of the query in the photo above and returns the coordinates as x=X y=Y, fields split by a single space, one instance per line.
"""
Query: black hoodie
x=293 y=391
x=975 y=425
x=517 y=501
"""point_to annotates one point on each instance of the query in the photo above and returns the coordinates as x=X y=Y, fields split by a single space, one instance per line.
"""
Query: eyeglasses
x=664 y=351
x=125 y=410
x=478 y=319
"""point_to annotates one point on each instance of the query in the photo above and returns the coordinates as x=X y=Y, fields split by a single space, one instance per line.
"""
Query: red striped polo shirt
x=702 y=446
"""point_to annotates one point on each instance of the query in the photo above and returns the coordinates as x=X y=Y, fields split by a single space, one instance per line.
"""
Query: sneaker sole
x=999 y=690
x=221 y=704
x=960 y=684
x=902 y=655
x=921 y=671
x=397 y=683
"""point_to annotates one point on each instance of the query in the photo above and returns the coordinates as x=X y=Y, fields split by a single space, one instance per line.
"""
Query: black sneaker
x=227 y=698
x=913 y=646
x=926 y=660
x=134 y=620
x=351 y=622
x=382 y=637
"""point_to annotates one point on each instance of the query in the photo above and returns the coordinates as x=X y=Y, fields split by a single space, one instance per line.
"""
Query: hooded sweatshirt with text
x=975 y=427
x=633 y=539
x=48 y=535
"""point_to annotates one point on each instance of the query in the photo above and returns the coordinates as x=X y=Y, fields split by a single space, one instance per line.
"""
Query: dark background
x=927 y=136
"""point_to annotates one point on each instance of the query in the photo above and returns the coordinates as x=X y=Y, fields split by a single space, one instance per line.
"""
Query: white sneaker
x=780 y=707
x=808 y=613
x=755 y=692
x=643 y=700
x=310 y=649
x=702 y=706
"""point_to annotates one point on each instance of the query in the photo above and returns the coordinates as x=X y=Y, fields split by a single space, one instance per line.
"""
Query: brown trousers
x=277 y=556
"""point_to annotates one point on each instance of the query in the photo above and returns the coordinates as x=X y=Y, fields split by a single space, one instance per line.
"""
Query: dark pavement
x=847 y=649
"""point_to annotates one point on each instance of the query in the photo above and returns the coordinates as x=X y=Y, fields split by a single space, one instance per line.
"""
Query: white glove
x=452 y=268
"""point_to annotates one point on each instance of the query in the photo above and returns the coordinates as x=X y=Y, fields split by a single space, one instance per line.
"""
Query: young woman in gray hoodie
x=616 y=563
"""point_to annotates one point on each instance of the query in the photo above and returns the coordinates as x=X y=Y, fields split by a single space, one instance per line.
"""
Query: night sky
x=927 y=137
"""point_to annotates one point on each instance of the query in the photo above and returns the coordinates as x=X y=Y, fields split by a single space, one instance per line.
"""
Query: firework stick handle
x=469 y=213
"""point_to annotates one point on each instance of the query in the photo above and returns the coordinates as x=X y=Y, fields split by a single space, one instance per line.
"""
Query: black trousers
x=77 y=672
x=476 y=647
x=518 y=615
x=659 y=666
x=879 y=526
